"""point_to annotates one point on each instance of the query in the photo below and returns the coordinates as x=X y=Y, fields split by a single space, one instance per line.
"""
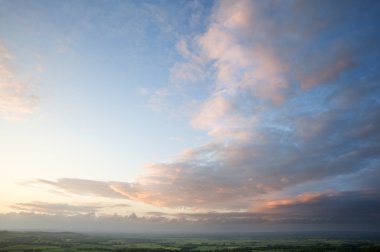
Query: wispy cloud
x=82 y=186
x=64 y=209
x=59 y=208
x=16 y=97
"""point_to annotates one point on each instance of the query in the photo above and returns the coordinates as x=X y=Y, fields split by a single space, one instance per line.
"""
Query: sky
x=189 y=116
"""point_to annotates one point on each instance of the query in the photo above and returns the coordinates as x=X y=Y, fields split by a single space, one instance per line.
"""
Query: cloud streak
x=63 y=208
x=83 y=186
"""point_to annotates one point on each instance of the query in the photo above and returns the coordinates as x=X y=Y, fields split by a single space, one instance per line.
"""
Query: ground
x=66 y=241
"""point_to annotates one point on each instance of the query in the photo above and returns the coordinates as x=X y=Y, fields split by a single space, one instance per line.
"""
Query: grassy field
x=60 y=242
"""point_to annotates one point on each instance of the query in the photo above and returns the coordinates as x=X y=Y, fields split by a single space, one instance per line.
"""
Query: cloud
x=304 y=198
x=82 y=186
x=58 y=208
x=86 y=223
x=349 y=210
x=16 y=98
x=219 y=176
x=276 y=112
x=343 y=209
x=260 y=59
x=328 y=71
x=293 y=100
x=64 y=209
x=349 y=207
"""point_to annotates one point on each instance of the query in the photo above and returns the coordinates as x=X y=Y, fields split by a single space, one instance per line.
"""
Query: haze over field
x=189 y=116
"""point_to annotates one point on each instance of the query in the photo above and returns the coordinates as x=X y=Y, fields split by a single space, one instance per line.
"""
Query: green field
x=66 y=241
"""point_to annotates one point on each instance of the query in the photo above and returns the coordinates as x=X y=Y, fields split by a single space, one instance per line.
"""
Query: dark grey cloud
x=350 y=208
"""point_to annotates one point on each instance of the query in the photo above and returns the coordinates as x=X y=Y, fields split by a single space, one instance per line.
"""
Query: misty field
x=66 y=241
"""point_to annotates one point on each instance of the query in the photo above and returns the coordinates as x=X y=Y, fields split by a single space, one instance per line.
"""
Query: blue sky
x=202 y=112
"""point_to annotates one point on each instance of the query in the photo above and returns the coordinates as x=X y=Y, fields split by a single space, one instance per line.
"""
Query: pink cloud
x=236 y=15
x=16 y=99
x=212 y=112
x=303 y=198
x=330 y=71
